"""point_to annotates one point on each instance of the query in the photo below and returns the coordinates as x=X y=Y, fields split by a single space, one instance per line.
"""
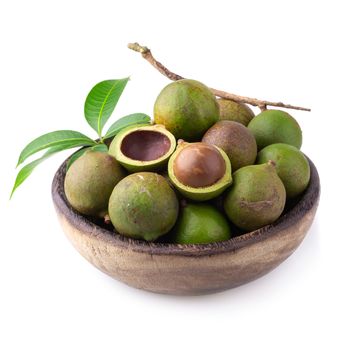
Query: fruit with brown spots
x=257 y=197
x=90 y=180
x=143 y=206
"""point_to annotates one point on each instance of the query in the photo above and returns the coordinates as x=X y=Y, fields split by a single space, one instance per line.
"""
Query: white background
x=53 y=52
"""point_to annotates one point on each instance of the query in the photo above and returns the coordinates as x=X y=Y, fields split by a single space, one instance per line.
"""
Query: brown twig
x=262 y=104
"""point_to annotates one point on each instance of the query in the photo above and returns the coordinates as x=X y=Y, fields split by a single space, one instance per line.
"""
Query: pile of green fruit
x=205 y=170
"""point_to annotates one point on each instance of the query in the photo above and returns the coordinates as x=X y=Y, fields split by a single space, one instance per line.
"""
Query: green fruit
x=187 y=108
x=235 y=140
x=235 y=111
x=143 y=206
x=90 y=180
x=257 y=197
x=274 y=126
x=291 y=165
x=199 y=171
x=143 y=148
x=200 y=223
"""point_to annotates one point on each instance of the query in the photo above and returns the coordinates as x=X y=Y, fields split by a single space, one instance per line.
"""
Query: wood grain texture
x=188 y=269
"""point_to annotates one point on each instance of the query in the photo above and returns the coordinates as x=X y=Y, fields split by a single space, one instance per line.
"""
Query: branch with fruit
x=262 y=104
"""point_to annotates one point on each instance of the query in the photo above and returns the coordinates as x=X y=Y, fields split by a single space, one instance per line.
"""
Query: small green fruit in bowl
x=200 y=223
x=275 y=126
x=257 y=197
x=291 y=165
x=90 y=181
x=143 y=206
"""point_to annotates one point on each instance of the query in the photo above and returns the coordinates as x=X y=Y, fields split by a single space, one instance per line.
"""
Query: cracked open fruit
x=143 y=148
x=90 y=180
x=143 y=206
x=235 y=111
x=187 y=108
x=199 y=171
x=235 y=140
x=257 y=197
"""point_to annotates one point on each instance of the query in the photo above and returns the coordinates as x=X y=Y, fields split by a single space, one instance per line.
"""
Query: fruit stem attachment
x=262 y=104
x=107 y=219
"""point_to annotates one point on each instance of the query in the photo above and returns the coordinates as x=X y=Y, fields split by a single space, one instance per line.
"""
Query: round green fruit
x=291 y=165
x=199 y=171
x=143 y=206
x=143 y=148
x=235 y=111
x=187 y=108
x=274 y=126
x=90 y=180
x=257 y=197
x=235 y=140
x=200 y=223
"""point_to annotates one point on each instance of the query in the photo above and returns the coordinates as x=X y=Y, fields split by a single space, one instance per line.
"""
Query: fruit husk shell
x=134 y=166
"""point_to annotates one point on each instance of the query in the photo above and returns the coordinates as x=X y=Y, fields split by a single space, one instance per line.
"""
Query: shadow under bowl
x=187 y=269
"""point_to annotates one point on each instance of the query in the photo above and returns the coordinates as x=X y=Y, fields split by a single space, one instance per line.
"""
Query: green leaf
x=131 y=119
x=100 y=148
x=65 y=138
x=101 y=102
x=27 y=169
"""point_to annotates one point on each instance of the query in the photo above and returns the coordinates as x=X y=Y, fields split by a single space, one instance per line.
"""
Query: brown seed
x=199 y=165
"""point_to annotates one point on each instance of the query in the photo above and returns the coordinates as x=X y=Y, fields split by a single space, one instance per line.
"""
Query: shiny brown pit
x=199 y=165
x=145 y=145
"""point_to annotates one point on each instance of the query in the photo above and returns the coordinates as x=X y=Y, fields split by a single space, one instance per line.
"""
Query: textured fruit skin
x=200 y=194
x=143 y=206
x=134 y=166
x=90 y=180
x=235 y=111
x=274 y=126
x=235 y=140
x=200 y=223
x=291 y=165
x=257 y=197
x=187 y=108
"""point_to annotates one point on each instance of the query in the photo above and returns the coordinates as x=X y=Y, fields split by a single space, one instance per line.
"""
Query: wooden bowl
x=187 y=269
